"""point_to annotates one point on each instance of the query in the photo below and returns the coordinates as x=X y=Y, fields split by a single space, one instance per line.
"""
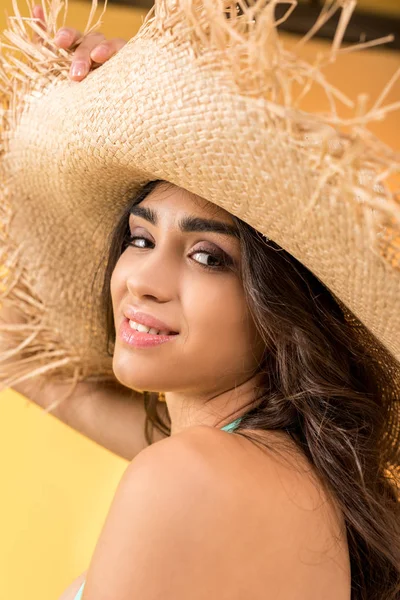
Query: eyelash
x=226 y=261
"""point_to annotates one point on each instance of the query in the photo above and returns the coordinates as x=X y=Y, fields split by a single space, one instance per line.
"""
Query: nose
x=153 y=275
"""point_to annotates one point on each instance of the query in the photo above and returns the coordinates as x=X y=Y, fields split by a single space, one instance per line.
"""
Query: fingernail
x=78 y=69
x=100 y=52
x=62 y=36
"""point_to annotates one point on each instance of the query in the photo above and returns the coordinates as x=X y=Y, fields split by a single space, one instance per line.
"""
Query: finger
x=105 y=50
x=38 y=13
x=67 y=36
x=81 y=61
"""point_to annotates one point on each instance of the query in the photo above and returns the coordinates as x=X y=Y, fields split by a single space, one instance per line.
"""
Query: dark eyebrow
x=188 y=223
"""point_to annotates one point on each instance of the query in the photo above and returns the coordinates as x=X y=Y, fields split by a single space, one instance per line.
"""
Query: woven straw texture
x=208 y=103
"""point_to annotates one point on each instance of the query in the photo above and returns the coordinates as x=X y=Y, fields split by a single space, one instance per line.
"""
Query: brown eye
x=220 y=258
x=224 y=262
x=132 y=238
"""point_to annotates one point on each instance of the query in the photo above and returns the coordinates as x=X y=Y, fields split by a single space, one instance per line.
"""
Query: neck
x=215 y=409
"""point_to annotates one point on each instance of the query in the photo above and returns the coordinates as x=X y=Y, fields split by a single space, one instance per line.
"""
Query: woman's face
x=163 y=274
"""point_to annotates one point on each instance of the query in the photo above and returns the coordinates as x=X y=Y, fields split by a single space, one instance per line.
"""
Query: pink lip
x=139 y=339
x=145 y=319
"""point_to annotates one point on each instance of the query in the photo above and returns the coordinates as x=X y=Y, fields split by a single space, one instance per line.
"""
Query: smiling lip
x=140 y=339
x=147 y=320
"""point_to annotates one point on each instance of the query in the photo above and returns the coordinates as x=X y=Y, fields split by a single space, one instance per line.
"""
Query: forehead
x=171 y=198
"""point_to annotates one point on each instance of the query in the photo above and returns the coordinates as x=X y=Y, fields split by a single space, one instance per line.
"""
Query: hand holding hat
x=91 y=51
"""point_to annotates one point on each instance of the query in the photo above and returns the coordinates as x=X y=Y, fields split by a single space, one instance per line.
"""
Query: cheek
x=218 y=316
x=222 y=345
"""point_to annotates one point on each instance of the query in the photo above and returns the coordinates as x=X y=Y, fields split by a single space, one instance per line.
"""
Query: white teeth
x=144 y=329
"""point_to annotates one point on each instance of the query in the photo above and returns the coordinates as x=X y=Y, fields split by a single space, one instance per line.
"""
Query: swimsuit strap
x=231 y=426
x=79 y=592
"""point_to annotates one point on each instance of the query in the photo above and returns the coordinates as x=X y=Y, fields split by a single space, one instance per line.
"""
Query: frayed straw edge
x=40 y=353
x=260 y=66
x=36 y=353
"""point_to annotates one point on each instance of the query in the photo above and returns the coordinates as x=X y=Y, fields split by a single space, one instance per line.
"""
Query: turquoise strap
x=80 y=592
x=232 y=425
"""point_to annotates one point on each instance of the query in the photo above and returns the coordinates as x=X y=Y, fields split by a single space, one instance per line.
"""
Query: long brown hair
x=319 y=387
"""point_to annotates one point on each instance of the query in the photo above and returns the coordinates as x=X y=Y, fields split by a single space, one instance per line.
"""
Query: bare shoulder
x=275 y=472
x=272 y=464
x=275 y=495
x=242 y=524
x=262 y=501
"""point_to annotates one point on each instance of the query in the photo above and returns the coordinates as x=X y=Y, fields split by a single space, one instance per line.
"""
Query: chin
x=133 y=378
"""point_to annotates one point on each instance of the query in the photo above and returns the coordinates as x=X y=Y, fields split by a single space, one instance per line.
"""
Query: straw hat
x=205 y=96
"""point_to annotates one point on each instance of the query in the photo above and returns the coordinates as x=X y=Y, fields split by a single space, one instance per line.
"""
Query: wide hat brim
x=209 y=104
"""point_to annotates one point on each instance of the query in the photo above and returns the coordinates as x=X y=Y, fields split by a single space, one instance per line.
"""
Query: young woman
x=296 y=502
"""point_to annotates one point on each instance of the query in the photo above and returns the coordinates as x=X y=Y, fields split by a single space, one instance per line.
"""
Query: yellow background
x=56 y=485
